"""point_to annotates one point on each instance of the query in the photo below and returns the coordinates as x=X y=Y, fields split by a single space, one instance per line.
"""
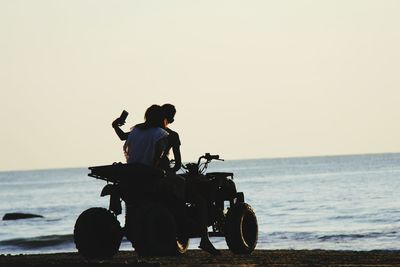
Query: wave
x=342 y=237
x=39 y=241
x=308 y=236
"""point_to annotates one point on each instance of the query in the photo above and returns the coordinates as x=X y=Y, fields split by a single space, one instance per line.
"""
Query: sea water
x=333 y=202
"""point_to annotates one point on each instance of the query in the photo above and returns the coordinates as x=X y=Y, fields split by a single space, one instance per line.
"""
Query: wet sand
x=200 y=258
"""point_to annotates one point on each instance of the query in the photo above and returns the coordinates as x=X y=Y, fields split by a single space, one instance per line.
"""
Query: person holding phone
x=146 y=142
x=174 y=142
x=117 y=123
x=163 y=139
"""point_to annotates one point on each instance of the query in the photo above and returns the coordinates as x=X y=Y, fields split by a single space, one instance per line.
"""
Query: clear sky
x=250 y=79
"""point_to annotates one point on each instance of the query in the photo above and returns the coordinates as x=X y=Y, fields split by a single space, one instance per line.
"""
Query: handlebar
x=200 y=166
x=208 y=156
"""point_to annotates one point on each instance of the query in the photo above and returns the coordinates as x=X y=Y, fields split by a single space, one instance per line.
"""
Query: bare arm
x=177 y=156
x=121 y=134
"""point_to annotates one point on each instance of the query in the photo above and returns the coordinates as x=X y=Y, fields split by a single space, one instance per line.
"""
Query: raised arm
x=121 y=134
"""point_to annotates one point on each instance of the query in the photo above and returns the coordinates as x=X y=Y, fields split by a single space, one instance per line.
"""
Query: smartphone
x=123 y=116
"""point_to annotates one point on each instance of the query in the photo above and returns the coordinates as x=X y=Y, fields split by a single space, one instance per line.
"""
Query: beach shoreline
x=200 y=258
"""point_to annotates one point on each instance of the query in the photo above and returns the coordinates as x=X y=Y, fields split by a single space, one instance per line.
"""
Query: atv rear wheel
x=241 y=229
x=97 y=233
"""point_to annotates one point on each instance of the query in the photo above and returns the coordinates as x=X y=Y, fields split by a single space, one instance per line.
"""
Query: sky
x=249 y=79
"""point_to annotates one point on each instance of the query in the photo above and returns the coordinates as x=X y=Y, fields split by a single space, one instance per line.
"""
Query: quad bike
x=157 y=220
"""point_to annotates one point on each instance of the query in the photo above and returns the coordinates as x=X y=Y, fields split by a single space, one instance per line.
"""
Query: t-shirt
x=141 y=143
x=173 y=139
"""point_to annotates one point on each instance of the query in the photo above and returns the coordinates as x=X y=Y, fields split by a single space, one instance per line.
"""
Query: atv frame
x=158 y=221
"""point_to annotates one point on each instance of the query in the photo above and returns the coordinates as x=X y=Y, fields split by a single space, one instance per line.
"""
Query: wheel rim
x=182 y=244
x=248 y=228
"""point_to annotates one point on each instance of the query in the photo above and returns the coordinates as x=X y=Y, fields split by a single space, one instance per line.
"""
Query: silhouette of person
x=201 y=202
x=146 y=142
x=173 y=137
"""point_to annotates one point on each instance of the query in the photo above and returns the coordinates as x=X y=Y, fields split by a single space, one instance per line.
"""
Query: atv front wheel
x=241 y=229
x=97 y=233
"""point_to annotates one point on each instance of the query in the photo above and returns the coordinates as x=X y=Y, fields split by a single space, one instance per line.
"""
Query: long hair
x=154 y=117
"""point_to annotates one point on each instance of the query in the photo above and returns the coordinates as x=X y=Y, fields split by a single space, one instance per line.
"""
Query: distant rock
x=18 y=216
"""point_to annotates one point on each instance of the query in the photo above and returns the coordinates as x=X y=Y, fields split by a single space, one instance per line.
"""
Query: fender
x=113 y=191
x=109 y=190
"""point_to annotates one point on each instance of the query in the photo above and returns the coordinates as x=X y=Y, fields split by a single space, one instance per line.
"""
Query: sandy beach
x=200 y=258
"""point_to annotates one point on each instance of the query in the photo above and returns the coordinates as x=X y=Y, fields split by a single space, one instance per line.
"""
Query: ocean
x=333 y=202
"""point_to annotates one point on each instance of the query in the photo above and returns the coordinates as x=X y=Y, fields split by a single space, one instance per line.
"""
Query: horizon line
x=230 y=159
